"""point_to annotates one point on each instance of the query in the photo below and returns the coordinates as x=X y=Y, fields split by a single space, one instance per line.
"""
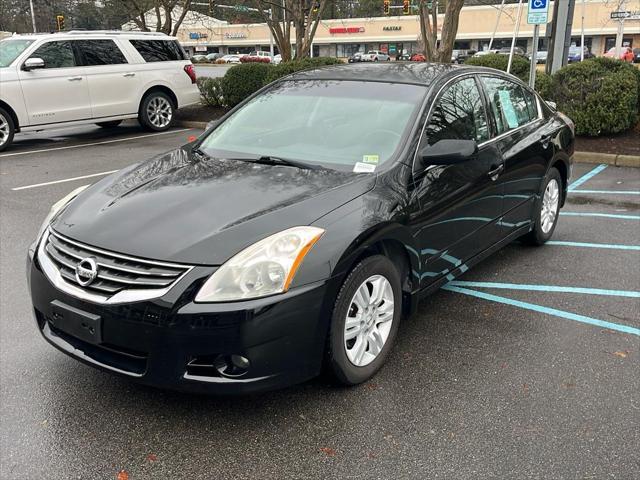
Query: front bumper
x=158 y=342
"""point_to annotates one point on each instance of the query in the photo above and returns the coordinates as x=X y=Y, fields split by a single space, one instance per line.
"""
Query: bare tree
x=164 y=18
x=434 y=51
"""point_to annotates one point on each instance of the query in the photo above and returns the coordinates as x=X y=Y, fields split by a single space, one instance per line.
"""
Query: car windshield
x=11 y=49
x=336 y=124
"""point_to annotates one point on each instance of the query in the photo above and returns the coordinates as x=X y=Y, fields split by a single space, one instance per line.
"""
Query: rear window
x=100 y=52
x=159 y=50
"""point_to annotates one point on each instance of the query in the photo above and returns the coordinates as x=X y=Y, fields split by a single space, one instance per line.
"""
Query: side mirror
x=32 y=63
x=448 y=152
x=552 y=104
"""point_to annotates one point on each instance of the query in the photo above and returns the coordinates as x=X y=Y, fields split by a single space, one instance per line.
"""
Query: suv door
x=59 y=91
x=459 y=205
x=114 y=87
x=523 y=136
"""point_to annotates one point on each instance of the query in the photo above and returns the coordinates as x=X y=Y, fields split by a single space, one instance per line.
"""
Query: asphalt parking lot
x=526 y=367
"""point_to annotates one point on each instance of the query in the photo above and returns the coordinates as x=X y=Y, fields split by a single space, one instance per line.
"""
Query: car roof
x=80 y=34
x=416 y=73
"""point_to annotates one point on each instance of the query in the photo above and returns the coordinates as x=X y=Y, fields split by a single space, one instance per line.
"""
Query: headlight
x=56 y=208
x=265 y=268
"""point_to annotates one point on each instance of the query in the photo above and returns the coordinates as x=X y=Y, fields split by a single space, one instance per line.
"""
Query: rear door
x=114 y=87
x=524 y=138
x=459 y=204
x=59 y=91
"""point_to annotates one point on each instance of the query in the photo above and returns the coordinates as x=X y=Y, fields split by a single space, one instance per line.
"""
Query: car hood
x=187 y=208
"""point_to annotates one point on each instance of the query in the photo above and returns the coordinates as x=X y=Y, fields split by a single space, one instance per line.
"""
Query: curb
x=578 y=157
x=608 y=159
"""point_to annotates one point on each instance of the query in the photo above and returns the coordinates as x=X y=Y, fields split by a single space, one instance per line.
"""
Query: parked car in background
x=636 y=55
x=516 y=51
x=356 y=57
x=541 y=56
x=486 y=52
x=375 y=56
x=460 y=56
x=418 y=57
x=626 y=54
x=277 y=59
x=262 y=56
x=102 y=77
x=575 y=54
x=232 y=58
x=212 y=57
x=199 y=58
x=319 y=248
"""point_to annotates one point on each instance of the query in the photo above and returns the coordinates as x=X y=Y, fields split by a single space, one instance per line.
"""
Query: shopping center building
x=399 y=34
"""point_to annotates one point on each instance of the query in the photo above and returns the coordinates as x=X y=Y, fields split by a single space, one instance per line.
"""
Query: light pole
x=515 y=35
x=33 y=16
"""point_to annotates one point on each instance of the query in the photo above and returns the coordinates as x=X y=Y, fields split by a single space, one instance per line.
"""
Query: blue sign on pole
x=538 y=12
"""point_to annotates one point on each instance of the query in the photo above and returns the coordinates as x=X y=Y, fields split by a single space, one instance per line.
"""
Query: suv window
x=159 y=50
x=459 y=114
x=100 y=52
x=56 y=55
x=511 y=105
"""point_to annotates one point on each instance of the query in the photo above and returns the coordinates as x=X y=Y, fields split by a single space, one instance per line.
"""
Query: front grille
x=115 y=272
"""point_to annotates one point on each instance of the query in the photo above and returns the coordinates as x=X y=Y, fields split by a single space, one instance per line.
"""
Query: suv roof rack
x=114 y=32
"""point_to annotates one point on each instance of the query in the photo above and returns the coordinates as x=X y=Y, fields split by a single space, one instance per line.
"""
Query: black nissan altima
x=296 y=233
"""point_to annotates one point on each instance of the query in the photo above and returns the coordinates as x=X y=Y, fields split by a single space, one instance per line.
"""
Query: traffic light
x=405 y=7
x=386 y=6
x=316 y=7
x=60 y=22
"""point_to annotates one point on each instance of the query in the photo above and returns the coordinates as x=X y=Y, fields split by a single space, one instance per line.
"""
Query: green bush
x=543 y=85
x=211 y=91
x=600 y=95
x=287 y=68
x=519 y=66
x=241 y=81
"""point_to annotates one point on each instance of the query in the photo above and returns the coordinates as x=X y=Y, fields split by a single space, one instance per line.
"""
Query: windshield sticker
x=360 y=167
x=507 y=108
x=371 y=159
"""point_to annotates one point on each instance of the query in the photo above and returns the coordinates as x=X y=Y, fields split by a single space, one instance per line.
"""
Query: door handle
x=130 y=74
x=495 y=173
x=545 y=140
x=74 y=79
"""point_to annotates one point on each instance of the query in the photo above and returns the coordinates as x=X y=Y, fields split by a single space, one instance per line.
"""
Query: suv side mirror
x=448 y=152
x=32 y=63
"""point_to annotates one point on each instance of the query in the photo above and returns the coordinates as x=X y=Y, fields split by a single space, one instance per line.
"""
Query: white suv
x=69 y=78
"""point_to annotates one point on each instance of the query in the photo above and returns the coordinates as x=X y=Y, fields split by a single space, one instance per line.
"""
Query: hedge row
x=243 y=80
x=519 y=66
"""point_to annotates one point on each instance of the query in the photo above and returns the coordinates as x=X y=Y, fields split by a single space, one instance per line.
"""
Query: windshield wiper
x=269 y=160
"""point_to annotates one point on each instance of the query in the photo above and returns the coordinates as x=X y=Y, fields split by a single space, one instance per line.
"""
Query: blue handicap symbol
x=538 y=4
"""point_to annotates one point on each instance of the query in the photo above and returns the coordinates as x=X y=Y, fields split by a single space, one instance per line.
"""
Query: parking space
x=526 y=366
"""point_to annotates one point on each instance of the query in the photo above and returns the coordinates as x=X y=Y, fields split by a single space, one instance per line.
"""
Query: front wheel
x=365 y=320
x=7 y=130
x=547 y=209
x=156 y=112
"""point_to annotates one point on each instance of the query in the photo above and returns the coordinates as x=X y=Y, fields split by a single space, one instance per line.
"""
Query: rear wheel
x=547 y=209
x=7 y=129
x=365 y=320
x=111 y=124
x=156 y=112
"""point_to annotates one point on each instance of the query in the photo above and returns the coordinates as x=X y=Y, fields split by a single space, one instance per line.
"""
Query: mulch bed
x=627 y=143
x=199 y=113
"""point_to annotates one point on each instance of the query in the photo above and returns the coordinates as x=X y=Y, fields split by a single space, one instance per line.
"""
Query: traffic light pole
x=33 y=16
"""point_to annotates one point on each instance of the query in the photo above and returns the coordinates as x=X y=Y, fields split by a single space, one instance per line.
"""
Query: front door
x=458 y=206
x=58 y=92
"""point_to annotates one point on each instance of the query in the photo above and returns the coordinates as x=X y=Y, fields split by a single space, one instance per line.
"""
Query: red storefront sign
x=333 y=30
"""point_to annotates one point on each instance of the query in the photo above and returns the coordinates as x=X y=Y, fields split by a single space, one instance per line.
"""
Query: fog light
x=232 y=366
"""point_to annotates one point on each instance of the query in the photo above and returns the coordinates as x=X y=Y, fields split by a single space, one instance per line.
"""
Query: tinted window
x=159 y=50
x=56 y=55
x=510 y=107
x=100 y=52
x=459 y=114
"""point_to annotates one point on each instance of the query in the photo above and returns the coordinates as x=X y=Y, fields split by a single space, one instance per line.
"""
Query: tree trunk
x=433 y=51
x=449 y=30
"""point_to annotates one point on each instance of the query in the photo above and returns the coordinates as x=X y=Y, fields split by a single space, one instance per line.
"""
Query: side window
x=56 y=55
x=100 y=52
x=459 y=114
x=159 y=50
x=511 y=105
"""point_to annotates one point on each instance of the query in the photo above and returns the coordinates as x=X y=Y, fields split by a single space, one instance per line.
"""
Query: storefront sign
x=201 y=49
x=197 y=35
x=391 y=28
x=235 y=35
x=346 y=30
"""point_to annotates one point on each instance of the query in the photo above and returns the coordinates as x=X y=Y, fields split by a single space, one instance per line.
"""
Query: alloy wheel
x=4 y=130
x=550 y=202
x=369 y=320
x=159 y=112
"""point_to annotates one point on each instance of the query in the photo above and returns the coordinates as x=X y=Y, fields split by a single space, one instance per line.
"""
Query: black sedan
x=276 y=245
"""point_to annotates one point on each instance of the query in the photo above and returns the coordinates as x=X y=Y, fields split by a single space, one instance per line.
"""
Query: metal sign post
x=515 y=35
x=537 y=14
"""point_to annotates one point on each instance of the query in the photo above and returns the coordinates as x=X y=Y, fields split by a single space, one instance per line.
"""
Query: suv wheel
x=156 y=112
x=365 y=320
x=547 y=209
x=7 y=130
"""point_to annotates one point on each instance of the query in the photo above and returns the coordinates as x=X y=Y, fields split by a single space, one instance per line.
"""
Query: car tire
x=345 y=359
x=111 y=124
x=547 y=209
x=7 y=130
x=156 y=112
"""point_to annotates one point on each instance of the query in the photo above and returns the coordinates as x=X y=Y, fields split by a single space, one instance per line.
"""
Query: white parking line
x=68 y=147
x=36 y=185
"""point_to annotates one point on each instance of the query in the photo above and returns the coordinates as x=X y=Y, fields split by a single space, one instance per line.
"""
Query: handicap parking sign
x=537 y=12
